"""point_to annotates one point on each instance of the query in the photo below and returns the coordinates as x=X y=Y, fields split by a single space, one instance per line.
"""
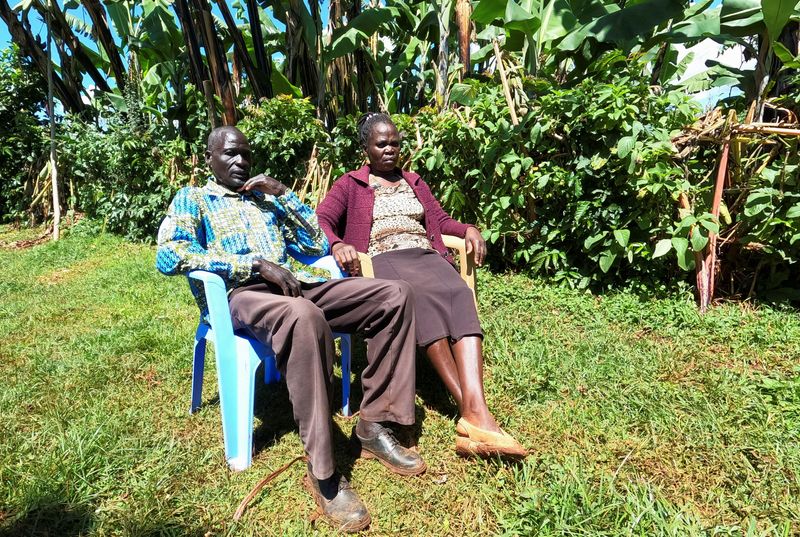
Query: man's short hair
x=218 y=135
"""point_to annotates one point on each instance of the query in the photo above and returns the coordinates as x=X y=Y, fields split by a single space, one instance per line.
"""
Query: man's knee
x=401 y=293
x=305 y=312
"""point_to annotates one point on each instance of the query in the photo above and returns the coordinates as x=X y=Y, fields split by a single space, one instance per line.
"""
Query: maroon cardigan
x=345 y=215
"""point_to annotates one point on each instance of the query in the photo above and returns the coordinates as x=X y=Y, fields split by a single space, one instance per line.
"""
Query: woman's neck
x=390 y=175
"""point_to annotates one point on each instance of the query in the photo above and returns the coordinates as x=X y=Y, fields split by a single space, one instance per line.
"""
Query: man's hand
x=279 y=276
x=264 y=183
x=347 y=257
x=475 y=242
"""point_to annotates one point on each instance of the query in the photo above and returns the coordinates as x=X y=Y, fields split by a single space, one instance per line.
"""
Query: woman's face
x=383 y=147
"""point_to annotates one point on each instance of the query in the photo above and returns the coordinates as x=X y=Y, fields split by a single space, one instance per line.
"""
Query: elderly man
x=240 y=228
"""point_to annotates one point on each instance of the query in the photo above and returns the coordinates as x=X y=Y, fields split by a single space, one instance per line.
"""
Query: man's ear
x=207 y=155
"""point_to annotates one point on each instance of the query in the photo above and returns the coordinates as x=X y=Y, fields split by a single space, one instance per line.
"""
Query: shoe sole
x=349 y=528
x=364 y=453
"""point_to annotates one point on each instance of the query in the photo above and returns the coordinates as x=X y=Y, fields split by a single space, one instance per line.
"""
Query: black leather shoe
x=379 y=443
x=340 y=505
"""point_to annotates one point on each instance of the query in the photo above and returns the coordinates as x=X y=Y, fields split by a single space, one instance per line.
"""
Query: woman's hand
x=476 y=243
x=347 y=257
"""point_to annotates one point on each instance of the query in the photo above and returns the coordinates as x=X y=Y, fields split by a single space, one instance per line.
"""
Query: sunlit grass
x=643 y=417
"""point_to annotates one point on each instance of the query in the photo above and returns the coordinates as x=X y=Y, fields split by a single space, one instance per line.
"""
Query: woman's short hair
x=366 y=123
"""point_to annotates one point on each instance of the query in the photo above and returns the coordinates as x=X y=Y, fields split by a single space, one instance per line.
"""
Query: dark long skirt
x=444 y=306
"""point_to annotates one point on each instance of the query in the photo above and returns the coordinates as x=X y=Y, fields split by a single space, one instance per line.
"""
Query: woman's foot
x=476 y=441
x=481 y=418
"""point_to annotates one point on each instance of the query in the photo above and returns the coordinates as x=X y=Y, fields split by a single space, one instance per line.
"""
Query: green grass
x=644 y=418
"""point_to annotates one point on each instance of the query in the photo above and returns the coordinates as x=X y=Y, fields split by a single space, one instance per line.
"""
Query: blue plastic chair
x=238 y=356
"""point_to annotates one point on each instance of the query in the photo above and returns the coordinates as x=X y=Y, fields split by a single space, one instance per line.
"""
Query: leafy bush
x=121 y=175
x=282 y=134
x=579 y=190
x=23 y=138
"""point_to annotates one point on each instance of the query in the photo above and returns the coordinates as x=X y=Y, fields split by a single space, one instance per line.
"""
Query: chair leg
x=344 y=341
x=236 y=394
x=198 y=367
x=271 y=373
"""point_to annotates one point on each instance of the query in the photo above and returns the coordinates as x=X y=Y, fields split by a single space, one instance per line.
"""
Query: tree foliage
x=22 y=136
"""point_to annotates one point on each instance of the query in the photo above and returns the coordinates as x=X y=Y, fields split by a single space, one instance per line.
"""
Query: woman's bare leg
x=460 y=367
x=441 y=358
x=468 y=353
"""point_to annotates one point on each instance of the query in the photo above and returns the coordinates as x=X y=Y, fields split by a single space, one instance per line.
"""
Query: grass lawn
x=643 y=417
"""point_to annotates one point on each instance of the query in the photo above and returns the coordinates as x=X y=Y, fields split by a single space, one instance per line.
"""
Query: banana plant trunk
x=30 y=46
x=220 y=75
x=463 y=14
x=240 y=52
x=443 y=63
x=103 y=33
x=263 y=60
x=61 y=29
x=197 y=69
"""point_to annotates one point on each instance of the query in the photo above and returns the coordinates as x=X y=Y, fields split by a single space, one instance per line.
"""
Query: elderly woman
x=391 y=215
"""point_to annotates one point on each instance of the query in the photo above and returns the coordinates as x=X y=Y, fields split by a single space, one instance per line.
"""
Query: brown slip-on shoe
x=345 y=511
x=384 y=447
x=473 y=440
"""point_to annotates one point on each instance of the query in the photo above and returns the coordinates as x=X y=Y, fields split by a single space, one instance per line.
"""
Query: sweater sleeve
x=447 y=224
x=332 y=211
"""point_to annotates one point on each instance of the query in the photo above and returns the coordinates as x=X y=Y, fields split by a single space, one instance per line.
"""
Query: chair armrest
x=466 y=262
x=327 y=263
x=366 y=265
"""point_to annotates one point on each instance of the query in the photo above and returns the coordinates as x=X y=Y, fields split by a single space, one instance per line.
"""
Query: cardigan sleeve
x=332 y=211
x=447 y=224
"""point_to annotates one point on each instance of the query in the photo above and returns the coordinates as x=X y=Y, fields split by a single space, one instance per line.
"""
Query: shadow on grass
x=274 y=410
x=56 y=518
x=63 y=519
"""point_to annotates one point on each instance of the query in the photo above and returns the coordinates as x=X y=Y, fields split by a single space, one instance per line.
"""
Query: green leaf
x=606 y=260
x=785 y=56
x=699 y=240
x=347 y=39
x=710 y=225
x=518 y=18
x=793 y=212
x=489 y=10
x=622 y=236
x=741 y=17
x=282 y=86
x=591 y=241
x=620 y=25
x=681 y=246
x=463 y=93
x=662 y=247
x=776 y=14
x=625 y=146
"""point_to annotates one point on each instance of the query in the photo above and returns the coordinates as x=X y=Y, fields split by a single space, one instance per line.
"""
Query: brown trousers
x=299 y=332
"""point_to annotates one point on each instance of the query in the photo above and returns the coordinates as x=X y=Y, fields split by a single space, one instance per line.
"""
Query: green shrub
x=282 y=134
x=580 y=190
x=121 y=175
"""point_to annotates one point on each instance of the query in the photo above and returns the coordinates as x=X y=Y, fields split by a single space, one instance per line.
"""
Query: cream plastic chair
x=466 y=263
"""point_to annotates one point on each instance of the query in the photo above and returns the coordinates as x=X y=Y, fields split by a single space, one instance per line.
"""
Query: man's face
x=229 y=159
